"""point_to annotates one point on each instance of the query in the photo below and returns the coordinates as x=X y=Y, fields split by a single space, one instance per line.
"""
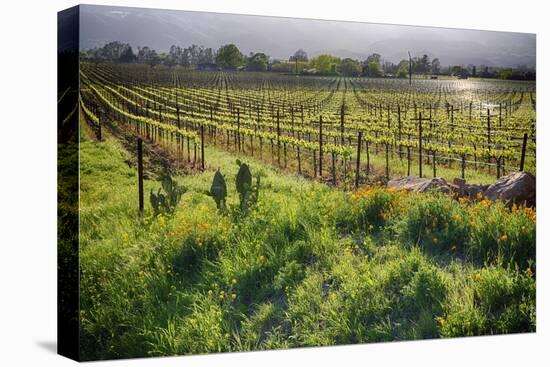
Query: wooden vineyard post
x=238 y=132
x=211 y=132
x=489 y=133
x=202 y=147
x=420 y=145
x=500 y=115
x=488 y=139
x=321 y=146
x=420 y=119
x=299 y=161
x=387 y=161
x=333 y=160
x=368 y=156
x=342 y=124
x=314 y=163
x=358 y=161
x=278 y=140
x=523 y=149
x=399 y=131
x=463 y=166
x=99 y=125
x=194 y=153
x=408 y=160
x=140 y=173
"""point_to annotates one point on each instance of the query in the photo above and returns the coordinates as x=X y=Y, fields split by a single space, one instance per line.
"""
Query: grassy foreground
x=307 y=266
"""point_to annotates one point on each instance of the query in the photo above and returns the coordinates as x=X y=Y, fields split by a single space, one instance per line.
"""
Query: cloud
x=119 y=13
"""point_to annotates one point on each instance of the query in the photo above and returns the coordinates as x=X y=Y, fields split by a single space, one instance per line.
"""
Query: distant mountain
x=281 y=37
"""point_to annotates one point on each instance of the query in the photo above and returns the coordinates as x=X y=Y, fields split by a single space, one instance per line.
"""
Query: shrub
x=507 y=298
x=503 y=301
x=435 y=222
x=367 y=210
x=468 y=321
x=426 y=291
x=502 y=235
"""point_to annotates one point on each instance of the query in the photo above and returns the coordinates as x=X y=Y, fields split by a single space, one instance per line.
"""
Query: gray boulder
x=417 y=184
x=517 y=187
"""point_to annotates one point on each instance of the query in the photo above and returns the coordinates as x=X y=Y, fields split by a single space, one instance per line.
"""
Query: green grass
x=307 y=266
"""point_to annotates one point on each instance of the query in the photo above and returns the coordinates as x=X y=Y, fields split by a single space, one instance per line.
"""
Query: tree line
x=229 y=57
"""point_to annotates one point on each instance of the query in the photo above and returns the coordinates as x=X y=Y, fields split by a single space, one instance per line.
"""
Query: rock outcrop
x=517 y=187
x=417 y=184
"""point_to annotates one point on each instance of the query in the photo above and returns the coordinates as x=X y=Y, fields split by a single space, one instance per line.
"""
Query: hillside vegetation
x=307 y=265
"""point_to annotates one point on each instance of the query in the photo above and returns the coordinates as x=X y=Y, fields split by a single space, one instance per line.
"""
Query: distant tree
x=505 y=74
x=349 y=67
x=206 y=56
x=373 y=69
x=436 y=66
x=143 y=54
x=299 y=58
x=113 y=50
x=373 y=65
x=127 y=55
x=96 y=55
x=424 y=64
x=282 y=66
x=403 y=69
x=257 y=62
x=325 y=64
x=148 y=56
x=377 y=58
x=299 y=55
x=174 y=56
x=154 y=59
x=456 y=70
x=389 y=67
x=229 y=57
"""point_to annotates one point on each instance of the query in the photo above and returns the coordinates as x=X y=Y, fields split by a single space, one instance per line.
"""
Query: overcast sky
x=280 y=37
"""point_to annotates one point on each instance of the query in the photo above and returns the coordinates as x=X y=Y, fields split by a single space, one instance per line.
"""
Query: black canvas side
x=67 y=183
